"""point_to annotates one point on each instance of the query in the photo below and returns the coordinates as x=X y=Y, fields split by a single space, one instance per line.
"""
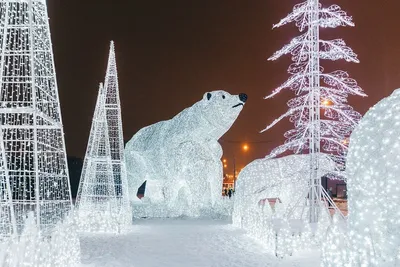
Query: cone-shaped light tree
x=96 y=201
x=103 y=189
x=322 y=118
x=115 y=133
x=30 y=118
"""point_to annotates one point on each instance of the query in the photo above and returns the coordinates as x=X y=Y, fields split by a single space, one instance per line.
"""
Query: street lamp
x=245 y=148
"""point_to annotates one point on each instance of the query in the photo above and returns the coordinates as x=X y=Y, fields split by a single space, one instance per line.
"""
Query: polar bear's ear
x=208 y=95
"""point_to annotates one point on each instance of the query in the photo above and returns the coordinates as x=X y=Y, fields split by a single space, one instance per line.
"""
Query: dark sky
x=169 y=53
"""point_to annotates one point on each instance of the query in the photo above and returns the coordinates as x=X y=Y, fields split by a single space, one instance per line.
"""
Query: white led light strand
x=269 y=203
x=180 y=158
x=317 y=91
x=115 y=134
x=35 y=195
x=30 y=117
x=96 y=200
x=373 y=170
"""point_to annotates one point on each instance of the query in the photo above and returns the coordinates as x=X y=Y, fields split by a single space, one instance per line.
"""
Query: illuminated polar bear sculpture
x=373 y=184
x=180 y=158
x=284 y=180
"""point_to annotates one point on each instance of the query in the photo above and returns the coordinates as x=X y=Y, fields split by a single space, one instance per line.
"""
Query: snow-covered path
x=182 y=243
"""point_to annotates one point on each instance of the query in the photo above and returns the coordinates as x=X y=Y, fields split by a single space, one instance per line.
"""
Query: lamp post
x=245 y=148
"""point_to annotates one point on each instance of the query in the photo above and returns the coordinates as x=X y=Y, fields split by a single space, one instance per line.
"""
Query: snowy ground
x=182 y=243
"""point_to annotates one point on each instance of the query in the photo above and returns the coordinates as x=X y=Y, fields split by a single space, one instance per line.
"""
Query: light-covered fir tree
x=323 y=120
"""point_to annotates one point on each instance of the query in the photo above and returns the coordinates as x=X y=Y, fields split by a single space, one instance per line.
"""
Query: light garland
x=116 y=136
x=103 y=197
x=374 y=186
x=31 y=119
x=33 y=168
x=313 y=132
x=180 y=158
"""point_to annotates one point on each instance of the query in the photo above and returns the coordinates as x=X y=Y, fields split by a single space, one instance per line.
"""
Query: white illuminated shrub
x=373 y=167
x=335 y=246
x=60 y=249
x=180 y=158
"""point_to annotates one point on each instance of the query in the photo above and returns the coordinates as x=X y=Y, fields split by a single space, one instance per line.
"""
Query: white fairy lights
x=269 y=203
x=374 y=186
x=96 y=200
x=31 y=119
x=116 y=137
x=103 y=197
x=180 y=158
x=317 y=91
x=35 y=196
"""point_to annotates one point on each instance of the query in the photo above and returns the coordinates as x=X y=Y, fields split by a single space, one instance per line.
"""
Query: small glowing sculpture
x=320 y=113
x=373 y=166
x=30 y=119
x=269 y=195
x=96 y=200
x=60 y=249
x=181 y=158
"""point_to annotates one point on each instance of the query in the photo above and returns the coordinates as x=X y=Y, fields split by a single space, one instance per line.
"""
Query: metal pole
x=234 y=172
x=314 y=111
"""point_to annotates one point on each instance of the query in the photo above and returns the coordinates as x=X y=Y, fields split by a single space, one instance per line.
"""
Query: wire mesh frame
x=115 y=131
x=30 y=116
x=96 y=199
x=8 y=224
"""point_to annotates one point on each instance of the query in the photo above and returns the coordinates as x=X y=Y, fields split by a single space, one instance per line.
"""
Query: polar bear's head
x=221 y=109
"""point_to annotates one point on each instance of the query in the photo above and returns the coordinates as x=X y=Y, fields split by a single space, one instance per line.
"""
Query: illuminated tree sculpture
x=115 y=134
x=317 y=92
x=30 y=118
x=96 y=199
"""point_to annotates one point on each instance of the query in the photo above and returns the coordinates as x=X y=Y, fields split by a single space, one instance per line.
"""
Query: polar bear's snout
x=243 y=98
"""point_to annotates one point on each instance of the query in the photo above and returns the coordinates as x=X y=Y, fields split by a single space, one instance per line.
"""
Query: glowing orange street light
x=224 y=160
x=225 y=165
x=245 y=147
x=326 y=102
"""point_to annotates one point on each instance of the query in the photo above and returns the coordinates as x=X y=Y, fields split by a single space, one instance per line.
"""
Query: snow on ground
x=181 y=243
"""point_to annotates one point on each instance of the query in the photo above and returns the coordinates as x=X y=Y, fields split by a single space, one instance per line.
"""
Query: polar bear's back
x=147 y=138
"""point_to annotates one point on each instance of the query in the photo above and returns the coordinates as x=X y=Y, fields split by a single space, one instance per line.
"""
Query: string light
x=181 y=158
x=34 y=226
x=103 y=197
x=373 y=186
x=268 y=203
x=315 y=132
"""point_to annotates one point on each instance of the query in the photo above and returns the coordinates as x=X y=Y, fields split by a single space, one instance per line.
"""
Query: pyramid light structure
x=30 y=118
x=96 y=199
x=115 y=133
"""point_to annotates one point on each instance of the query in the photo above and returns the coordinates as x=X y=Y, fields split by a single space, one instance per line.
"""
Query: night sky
x=169 y=53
